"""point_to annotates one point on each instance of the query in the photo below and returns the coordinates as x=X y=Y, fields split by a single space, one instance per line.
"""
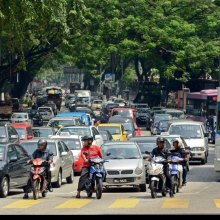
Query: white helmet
x=180 y=143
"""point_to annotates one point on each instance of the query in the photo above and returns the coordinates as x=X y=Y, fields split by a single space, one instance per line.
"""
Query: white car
x=83 y=131
x=21 y=118
x=46 y=112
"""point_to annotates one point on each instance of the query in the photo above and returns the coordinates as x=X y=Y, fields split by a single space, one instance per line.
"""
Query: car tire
x=70 y=178
x=143 y=187
x=4 y=187
x=58 y=183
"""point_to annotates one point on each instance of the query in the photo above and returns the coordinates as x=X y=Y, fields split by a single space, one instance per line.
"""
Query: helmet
x=42 y=142
x=85 y=138
x=160 y=139
x=179 y=141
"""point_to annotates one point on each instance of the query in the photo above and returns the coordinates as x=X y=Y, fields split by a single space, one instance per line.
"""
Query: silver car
x=62 y=166
x=125 y=166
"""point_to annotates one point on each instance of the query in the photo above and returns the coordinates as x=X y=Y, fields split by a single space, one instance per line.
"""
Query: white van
x=195 y=135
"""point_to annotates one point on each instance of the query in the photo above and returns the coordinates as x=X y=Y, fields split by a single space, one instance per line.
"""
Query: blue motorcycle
x=96 y=177
x=176 y=171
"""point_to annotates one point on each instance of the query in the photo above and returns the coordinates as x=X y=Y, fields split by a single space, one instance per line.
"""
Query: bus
x=201 y=105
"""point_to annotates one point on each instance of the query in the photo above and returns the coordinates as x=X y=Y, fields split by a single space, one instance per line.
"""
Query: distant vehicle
x=21 y=118
x=97 y=104
x=25 y=131
x=15 y=171
x=46 y=112
x=52 y=105
x=83 y=98
x=43 y=132
x=74 y=86
x=35 y=116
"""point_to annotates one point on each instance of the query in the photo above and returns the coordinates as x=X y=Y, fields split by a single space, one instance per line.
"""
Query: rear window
x=42 y=132
x=114 y=130
x=72 y=144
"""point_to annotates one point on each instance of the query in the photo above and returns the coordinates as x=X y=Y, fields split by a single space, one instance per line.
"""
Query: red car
x=24 y=131
x=124 y=112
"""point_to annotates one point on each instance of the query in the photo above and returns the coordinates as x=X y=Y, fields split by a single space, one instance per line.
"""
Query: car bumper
x=197 y=156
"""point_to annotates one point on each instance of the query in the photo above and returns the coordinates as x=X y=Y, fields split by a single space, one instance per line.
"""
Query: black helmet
x=160 y=139
x=85 y=138
x=42 y=142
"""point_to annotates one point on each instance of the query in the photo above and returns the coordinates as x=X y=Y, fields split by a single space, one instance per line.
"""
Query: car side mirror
x=64 y=153
x=13 y=159
x=206 y=134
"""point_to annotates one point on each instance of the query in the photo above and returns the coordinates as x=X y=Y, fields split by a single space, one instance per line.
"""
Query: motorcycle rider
x=43 y=153
x=178 y=148
x=88 y=151
x=161 y=151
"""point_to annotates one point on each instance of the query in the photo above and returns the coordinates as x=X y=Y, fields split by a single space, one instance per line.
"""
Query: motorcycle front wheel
x=36 y=189
x=98 y=188
x=153 y=188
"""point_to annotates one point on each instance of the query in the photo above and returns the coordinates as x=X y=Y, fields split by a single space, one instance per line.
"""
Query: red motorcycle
x=38 y=178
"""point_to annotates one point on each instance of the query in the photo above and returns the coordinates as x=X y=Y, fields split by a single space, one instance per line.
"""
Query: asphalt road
x=200 y=195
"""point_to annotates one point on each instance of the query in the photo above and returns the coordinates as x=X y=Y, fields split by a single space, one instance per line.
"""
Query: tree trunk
x=139 y=75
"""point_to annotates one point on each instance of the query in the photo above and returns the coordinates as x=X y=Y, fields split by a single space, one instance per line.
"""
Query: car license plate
x=120 y=180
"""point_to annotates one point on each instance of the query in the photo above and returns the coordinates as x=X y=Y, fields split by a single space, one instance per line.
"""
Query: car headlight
x=138 y=171
x=198 y=149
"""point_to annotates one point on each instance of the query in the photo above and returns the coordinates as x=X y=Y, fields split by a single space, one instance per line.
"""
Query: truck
x=54 y=94
x=5 y=106
x=83 y=98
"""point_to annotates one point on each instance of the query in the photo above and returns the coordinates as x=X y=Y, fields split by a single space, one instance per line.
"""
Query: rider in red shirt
x=88 y=151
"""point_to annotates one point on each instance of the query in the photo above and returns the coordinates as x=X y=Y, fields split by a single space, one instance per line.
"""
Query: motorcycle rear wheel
x=98 y=188
x=36 y=189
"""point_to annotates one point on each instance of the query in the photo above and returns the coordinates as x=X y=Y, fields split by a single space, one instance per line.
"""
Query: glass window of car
x=72 y=144
x=186 y=130
x=21 y=133
x=11 y=131
x=82 y=131
x=60 y=148
x=20 y=151
x=29 y=132
x=30 y=147
x=95 y=132
x=64 y=146
x=38 y=132
x=2 y=132
x=11 y=153
x=114 y=130
x=122 y=151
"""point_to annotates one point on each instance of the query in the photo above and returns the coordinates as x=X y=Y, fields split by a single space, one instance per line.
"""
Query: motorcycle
x=96 y=177
x=157 y=178
x=38 y=178
x=176 y=171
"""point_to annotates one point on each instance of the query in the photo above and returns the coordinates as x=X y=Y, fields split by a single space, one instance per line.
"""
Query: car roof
x=66 y=136
x=120 y=143
x=143 y=138
x=109 y=124
x=185 y=121
x=36 y=140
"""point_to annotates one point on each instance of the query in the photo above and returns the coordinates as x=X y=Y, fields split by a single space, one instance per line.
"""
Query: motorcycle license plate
x=120 y=180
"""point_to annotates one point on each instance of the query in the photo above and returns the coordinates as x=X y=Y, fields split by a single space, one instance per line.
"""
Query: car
x=52 y=105
x=25 y=131
x=15 y=171
x=8 y=134
x=124 y=112
x=156 y=119
x=125 y=165
x=96 y=104
x=116 y=130
x=43 y=132
x=83 y=131
x=21 y=117
x=74 y=143
x=106 y=136
x=195 y=135
x=62 y=166
x=46 y=112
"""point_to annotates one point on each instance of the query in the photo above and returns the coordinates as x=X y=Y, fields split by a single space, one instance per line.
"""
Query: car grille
x=113 y=172
x=126 y=171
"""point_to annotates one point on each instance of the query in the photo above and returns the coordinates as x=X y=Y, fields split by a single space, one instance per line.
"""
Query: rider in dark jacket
x=160 y=150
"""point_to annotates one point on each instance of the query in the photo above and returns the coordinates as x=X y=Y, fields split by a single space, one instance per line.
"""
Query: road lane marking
x=21 y=204
x=74 y=204
x=175 y=204
x=124 y=203
x=217 y=203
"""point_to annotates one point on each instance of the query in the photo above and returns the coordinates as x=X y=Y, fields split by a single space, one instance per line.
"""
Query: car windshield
x=19 y=116
x=114 y=130
x=30 y=147
x=128 y=126
x=2 y=153
x=21 y=132
x=97 y=102
x=72 y=144
x=42 y=132
x=158 y=118
x=123 y=113
x=163 y=124
x=178 y=115
x=76 y=131
x=146 y=146
x=186 y=130
x=57 y=123
x=119 y=151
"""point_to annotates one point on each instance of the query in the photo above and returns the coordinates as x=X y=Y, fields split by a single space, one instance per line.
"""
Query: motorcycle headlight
x=138 y=171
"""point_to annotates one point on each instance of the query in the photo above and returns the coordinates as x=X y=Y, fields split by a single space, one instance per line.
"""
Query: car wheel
x=143 y=187
x=58 y=183
x=70 y=179
x=4 y=188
